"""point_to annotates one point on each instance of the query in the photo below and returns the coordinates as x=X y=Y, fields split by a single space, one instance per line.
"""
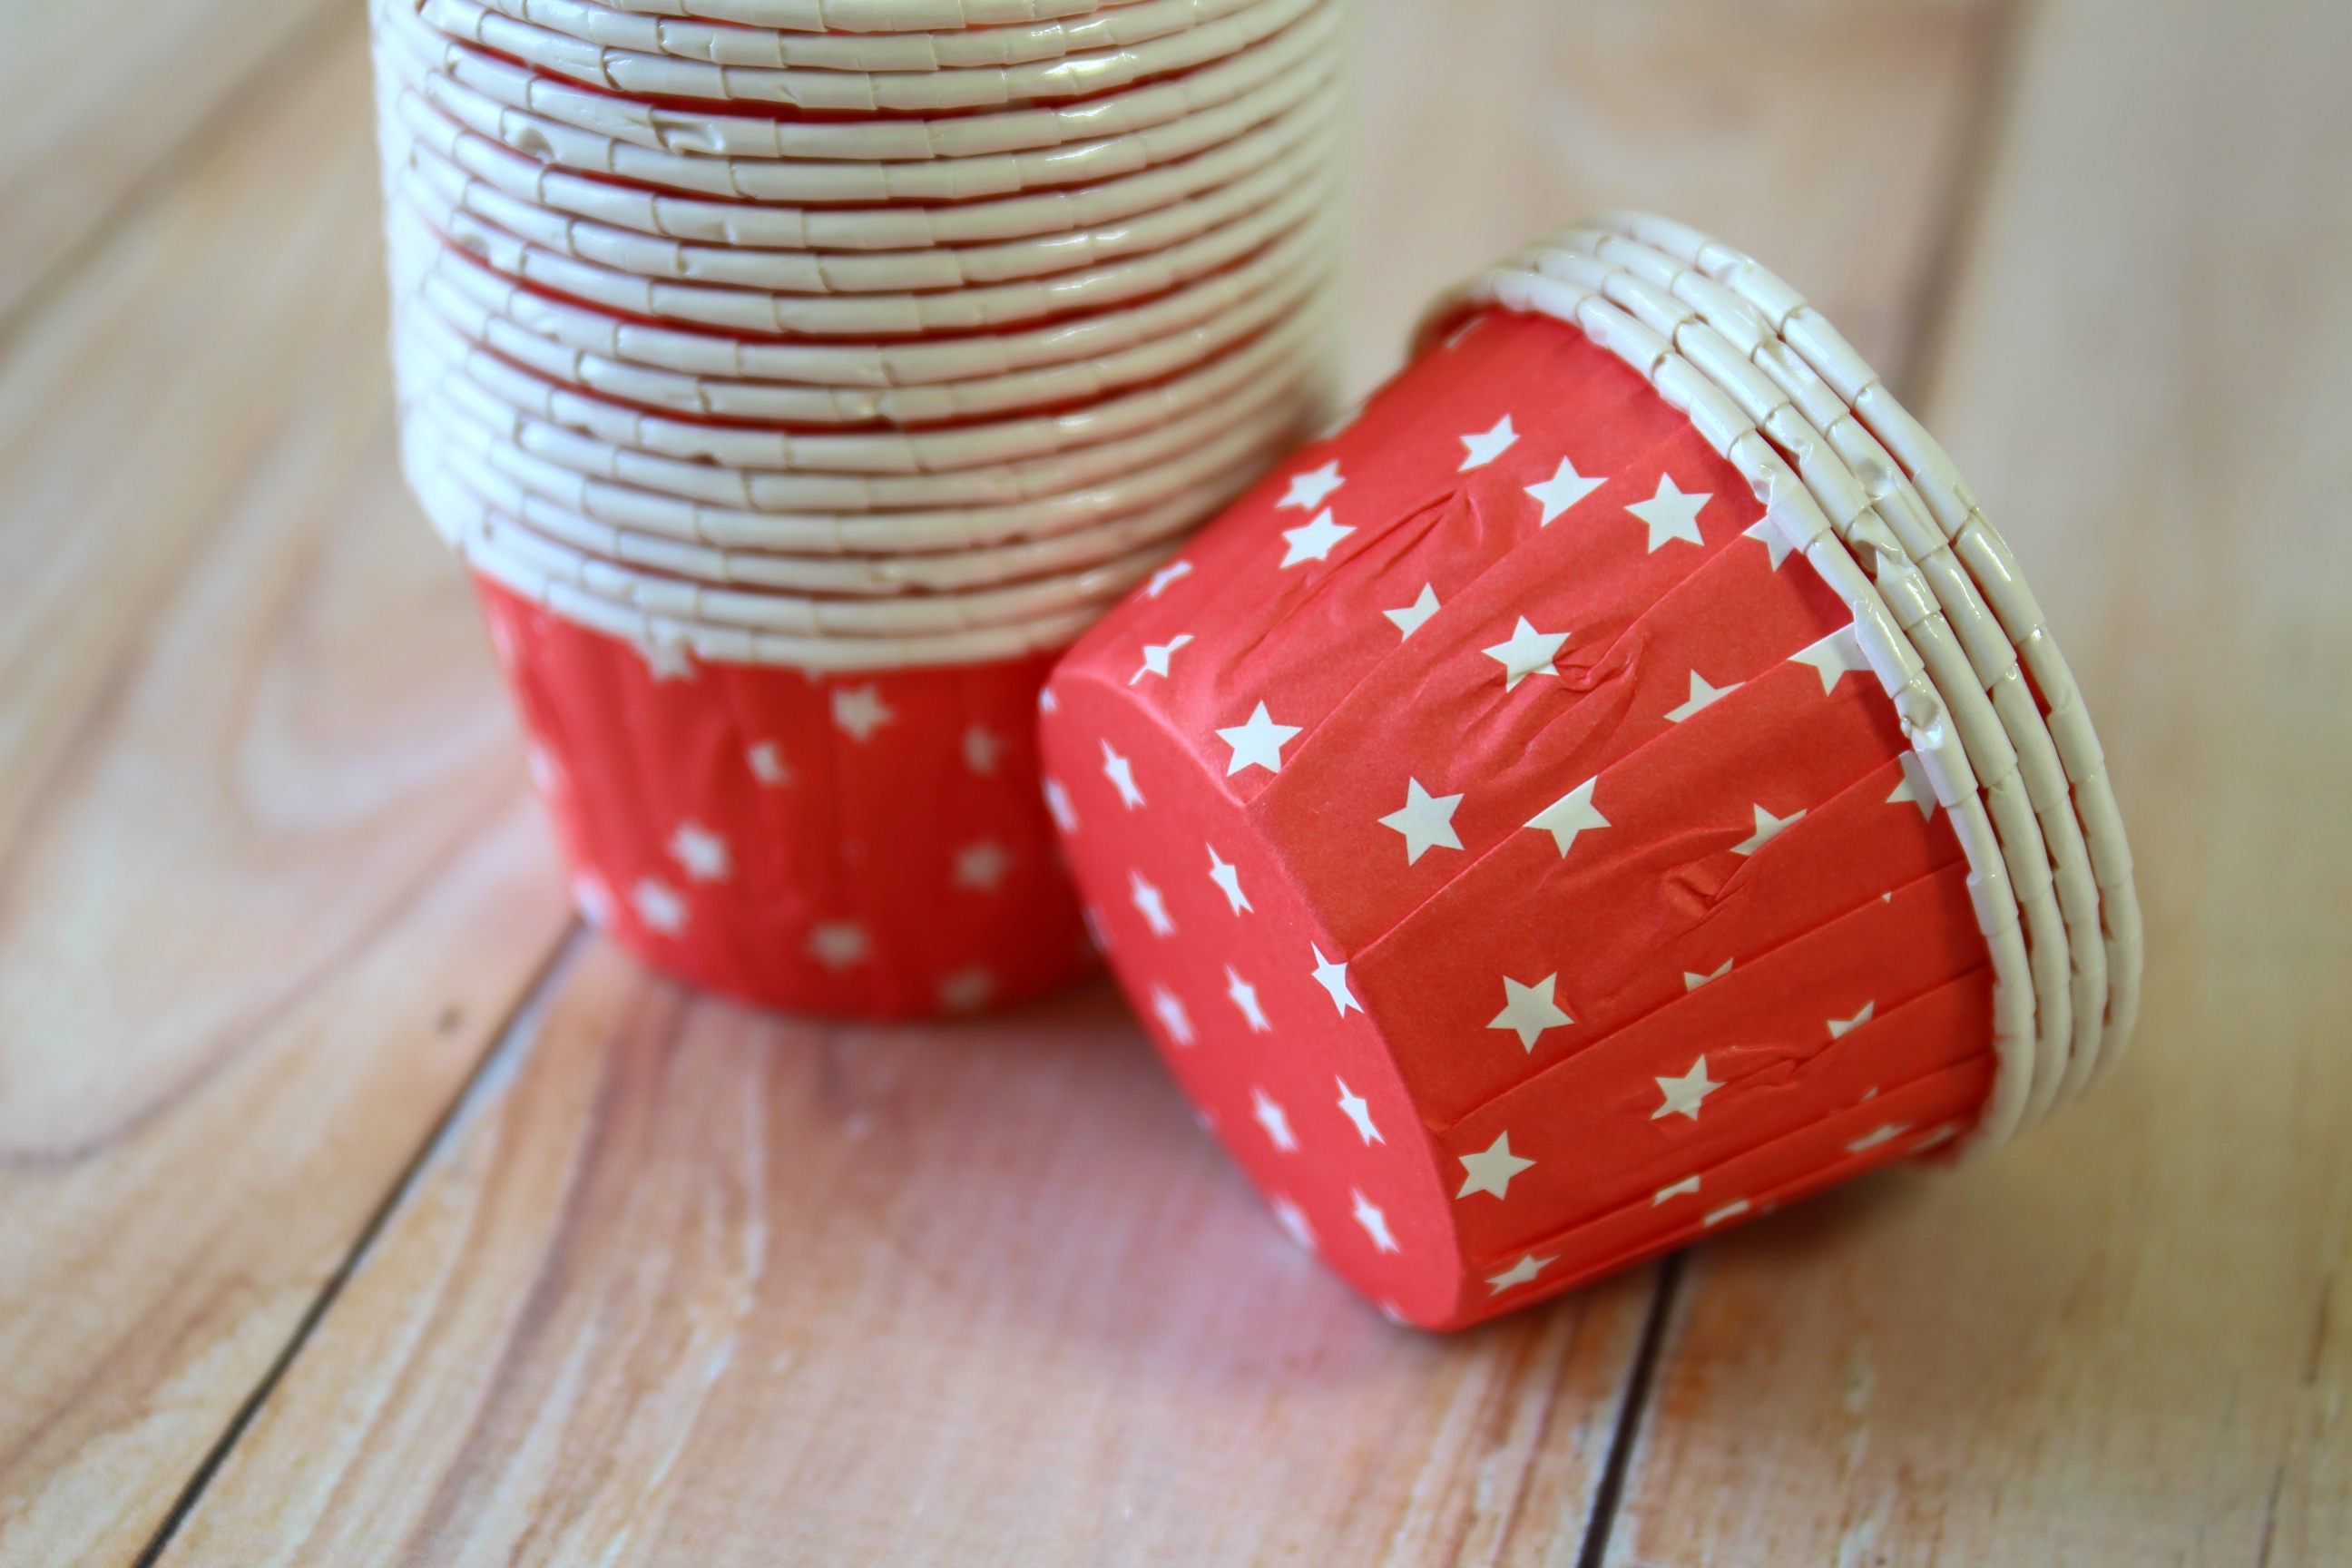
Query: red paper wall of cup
x=1507 y=836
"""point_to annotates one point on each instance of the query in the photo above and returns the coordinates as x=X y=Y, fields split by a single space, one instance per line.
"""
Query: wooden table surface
x=356 y=1208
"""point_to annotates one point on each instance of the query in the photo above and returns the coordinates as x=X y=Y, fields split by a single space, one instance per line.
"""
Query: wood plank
x=2123 y=1341
x=687 y=1282
x=96 y=95
x=267 y=879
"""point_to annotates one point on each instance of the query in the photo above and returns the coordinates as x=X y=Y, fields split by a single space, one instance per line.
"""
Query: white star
x=1097 y=932
x=1293 y=1220
x=659 y=906
x=1688 y=1184
x=1916 y=788
x=1886 y=1134
x=1519 y=1273
x=1312 y=541
x=766 y=759
x=1701 y=694
x=967 y=989
x=1353 y=1105
x=1763 y=531
x=1149 y=905
x=594 y=897
x=1530 y=652
x=1331 y=973
x=1731 y=1210
x=982 y=745
x=546 y=773
x=1492 y=1170
x=1156 y=656
x=1165 y=575
x=1258 y=743
x=1375 y=1223
x=1409 y=619
x=1057 y=801
x=1311 y=487
x=1686 y=1093
x=1046 y=701
x=1563 y=489
x=1228 y=880
x=1833 y=655
x=1487 y=446
x=1172 y=1015
x=1672 y=513
x=1568 y=815
x=837 y=944
x=1692 y=980
x=1122 y=774
x=1944 y=1134
x=1768 y=828
x=1841 y=1027
x=702 y=853
x=1530 y=1010
x=860 y=711
x=982 y=866
x=1244 y=996
x=666 y=660
x=1427 y=821
x=1275 y=1120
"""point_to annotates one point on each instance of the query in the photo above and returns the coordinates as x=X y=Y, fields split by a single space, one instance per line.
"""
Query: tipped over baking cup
x=1557 y=776
x=867 y=845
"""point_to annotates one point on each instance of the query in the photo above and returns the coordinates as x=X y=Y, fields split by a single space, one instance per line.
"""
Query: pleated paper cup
x=1550 y=760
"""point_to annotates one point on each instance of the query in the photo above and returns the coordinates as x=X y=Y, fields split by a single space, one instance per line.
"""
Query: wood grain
x=2123 y=1341
x=266 y=884
x=97 y=96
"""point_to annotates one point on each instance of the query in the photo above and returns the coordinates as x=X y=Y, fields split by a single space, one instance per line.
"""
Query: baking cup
x=872 y=16
x=1591 y=835
x=1086 y=75
x=785 y=837
x=1188 y=111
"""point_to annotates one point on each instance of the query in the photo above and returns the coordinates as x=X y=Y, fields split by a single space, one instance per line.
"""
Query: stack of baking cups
x=1618 y=784
x=796 y=377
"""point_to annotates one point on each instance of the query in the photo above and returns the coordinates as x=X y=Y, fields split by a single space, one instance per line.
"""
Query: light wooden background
x=355 y=1209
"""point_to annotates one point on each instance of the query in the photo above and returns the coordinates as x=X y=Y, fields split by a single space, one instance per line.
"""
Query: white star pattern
x=1122 y=774
x=982 y=866
x=1275 y=1120
x=1570 y=815
x=1353 y=1106
x=1841 y=1027
x=1427 y=821
x=1692 y=980
x=666 y=661
x=1312 y=541
x=1523 y=1272
x=766 y=761
x=1731 y=1210
x=1530 y=1010
x=983 y=746
x=1375 y=1223
x=546 y=774
x=1885 y=1134
x=1244 y=996
x=1833 y=655
x=967 y=989
x=1562 y=490
x=1228 y=880
x=1528 y=652
x=1047 y=703
x=1483 y=448
x=701 y=853
x=1769 y=536
x=1701 y=694
x=1097 y=932
x=1172 y=1015
x=1293 y=1220
x=1491 y=1171
x=594 y=898
x=1916 y=788
x=659 y=906
x=1768 y=828
x=837 y=944
x=1149 y=905
x=1258 y=743
x=1331 y=973
x=1686 y=1094
x=1672 y=513
x=1057 y=801
x=1409 y=620
x=1687 y=1187
x=1156 y=656
x=1167 y=575
x=859 y=711
x=1312 y=487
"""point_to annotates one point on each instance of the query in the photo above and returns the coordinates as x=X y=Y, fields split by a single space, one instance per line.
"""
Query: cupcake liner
x=872 y=16
x=869 y=845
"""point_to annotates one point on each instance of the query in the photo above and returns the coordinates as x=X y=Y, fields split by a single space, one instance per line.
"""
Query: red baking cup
x=1504 y=836
x=870 y=845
